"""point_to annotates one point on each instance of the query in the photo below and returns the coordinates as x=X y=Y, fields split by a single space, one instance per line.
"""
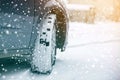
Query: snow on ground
x=93 y=53
x=79 y=7
x=99 y=32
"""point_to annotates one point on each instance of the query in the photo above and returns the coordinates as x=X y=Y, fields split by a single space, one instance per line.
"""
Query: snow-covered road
x=93 y=53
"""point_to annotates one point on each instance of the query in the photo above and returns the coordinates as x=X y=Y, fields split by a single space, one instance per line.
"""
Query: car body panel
x=16 y=21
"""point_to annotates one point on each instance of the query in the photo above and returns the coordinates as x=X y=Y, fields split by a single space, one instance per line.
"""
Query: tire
x=44 y=53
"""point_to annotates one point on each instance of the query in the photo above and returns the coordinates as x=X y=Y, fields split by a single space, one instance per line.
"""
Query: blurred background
x=89 y=11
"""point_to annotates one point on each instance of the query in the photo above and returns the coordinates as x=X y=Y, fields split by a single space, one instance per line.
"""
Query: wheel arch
x=61 y=28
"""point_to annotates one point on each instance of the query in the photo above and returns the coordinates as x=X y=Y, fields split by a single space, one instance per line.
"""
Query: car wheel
x=44 y=53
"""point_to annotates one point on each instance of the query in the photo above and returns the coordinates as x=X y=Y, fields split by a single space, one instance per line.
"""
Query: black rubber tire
x=44 y=53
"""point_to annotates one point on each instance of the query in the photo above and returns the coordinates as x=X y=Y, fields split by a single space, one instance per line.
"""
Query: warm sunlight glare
x=105 y=9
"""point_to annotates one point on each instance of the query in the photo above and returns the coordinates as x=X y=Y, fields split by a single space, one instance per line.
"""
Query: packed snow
x=93 y=53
